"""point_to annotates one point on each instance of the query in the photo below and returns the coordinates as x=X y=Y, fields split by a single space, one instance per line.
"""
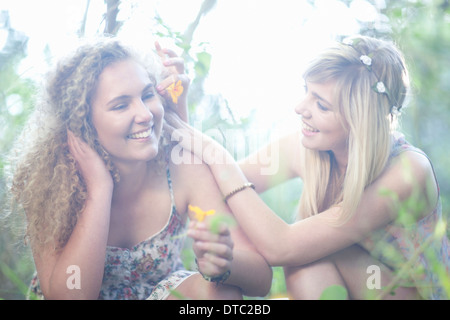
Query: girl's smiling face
x=322 y=128
x=127 y=113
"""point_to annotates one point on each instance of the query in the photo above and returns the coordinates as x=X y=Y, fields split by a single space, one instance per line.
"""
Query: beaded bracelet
x=216 y=279
x=243 y=187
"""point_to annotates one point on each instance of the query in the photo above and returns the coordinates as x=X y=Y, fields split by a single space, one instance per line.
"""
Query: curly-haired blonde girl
x=47 y=184
x=102 y=198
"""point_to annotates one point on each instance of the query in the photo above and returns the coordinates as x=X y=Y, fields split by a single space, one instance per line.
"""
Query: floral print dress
x=417 y=248
x=149 y=270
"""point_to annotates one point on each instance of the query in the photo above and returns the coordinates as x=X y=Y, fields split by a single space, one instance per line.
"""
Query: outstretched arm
x=315 y=237
x=274 y=163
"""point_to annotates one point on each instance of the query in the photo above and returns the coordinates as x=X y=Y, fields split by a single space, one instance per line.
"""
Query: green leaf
x=14 y=278
x=218 y=220
x=203 y=64
x=177 y=294
x=334 y=292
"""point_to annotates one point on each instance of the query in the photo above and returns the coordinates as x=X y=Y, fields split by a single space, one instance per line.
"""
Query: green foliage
x=178 y=295
x=334 y=292
x=16 y=103
x=408 y=212
x=17 y=281
x=16 y=91
x=278 y=288
x=219 y=220
x=421 y=29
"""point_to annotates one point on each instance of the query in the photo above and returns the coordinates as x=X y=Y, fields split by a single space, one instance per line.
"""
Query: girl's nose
x=143 y=113
x=302 y=109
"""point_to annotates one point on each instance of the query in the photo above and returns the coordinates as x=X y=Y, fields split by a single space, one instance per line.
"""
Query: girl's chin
x=146 y=156
x=311 y=146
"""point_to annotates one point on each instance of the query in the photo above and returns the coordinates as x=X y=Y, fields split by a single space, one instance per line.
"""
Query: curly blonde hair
x=46 y=183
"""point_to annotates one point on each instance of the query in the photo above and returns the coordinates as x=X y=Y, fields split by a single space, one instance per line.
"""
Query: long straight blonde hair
x=367 y=114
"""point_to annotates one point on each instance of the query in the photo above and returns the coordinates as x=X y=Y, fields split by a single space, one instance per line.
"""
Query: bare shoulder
x=411 y=175
x=189 y=167
x=413 y=166
x=193 y=181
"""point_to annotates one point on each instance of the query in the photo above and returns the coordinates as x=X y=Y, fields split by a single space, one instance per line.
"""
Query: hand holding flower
x=213 y=246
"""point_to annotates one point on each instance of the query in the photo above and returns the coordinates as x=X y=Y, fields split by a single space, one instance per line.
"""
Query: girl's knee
x=309 y=281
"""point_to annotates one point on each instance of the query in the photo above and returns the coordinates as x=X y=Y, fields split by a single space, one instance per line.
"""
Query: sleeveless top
x=416 y=251
x=149 y=270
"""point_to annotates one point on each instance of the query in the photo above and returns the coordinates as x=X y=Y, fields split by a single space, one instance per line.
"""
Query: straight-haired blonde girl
x=357 y=172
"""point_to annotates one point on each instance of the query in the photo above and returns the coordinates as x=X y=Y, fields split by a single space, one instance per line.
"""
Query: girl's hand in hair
x=174 y=87
x=90 y=164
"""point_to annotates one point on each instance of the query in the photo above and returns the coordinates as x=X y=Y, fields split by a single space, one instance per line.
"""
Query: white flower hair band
x=379 y=86
x=366 y=60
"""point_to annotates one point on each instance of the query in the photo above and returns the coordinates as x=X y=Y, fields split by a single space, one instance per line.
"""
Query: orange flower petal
x=200 y=214
x=175 y=91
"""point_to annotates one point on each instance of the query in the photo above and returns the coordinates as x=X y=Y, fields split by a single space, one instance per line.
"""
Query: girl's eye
x=120 y=107
x=322 y=107
x=148 y=95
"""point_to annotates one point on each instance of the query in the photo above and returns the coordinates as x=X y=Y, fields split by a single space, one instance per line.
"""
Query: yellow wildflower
x=175 y=91
x=200 y=214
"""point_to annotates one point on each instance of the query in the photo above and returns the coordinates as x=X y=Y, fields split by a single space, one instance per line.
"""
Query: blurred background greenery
x=421 y=28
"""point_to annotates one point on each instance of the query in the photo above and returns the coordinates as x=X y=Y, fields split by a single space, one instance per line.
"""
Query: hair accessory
x=379 y=86
x=367 y=61
x=348 y=41
x=395 y=111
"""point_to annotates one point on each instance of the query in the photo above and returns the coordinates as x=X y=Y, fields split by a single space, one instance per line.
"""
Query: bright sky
x=259 y=48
